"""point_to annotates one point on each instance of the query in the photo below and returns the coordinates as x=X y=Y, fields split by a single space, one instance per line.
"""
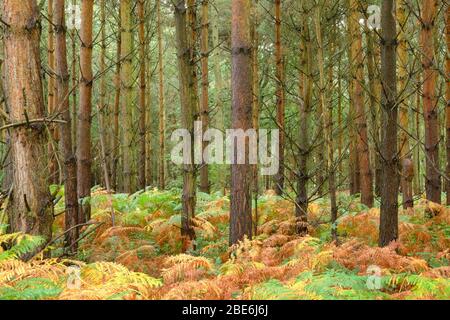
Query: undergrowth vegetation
x=140 y=256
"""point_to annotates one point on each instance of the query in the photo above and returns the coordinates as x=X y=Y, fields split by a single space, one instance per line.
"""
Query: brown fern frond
x=185 y=266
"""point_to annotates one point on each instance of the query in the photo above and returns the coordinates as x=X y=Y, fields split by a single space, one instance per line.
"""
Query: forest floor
x=140 y=256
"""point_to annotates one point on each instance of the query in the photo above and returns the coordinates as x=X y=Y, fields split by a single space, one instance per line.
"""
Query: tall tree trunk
x=218 y=86
x=116 y=111
x=447 y=109
x=204 y=172
x=50 y=59
x=242 y=98
x=430 y=109
x=29 y=208
x=407 y=173
x=70 y=163
x=329 y=137
x=279 y=178
x=188 y=118
x=162 y=111
x=142 y=97
x=327 y=107
x=103 y=108
x=390 y=162
x=354 y=168
x=418 y=153
x=192 y=41
x=358 y=101
x=127 y=92
x=2 y=96
x=51 y=98
x=149 y=176
x=5 y=136
x=74 y=72
x=340 y=118
x=193 y=50
x=84 y=159
x=255 y=105
x=375 y=98
x=305 y=91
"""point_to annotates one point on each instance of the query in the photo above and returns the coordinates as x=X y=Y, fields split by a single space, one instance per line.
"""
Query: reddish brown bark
x=70 y=164
x=84 y=160
x=354 y=168
x=50 y=59
x=365 y=172
x=430 y=110
x=74 y=73
x=51 y=98
x=242 y=98
x=405 y=152
x=374 y=98
x=29 y=206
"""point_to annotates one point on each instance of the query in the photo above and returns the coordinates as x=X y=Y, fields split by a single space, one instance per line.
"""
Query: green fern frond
x=271 y=290
x=31 y=289
x=420 y=287
x=21 y=245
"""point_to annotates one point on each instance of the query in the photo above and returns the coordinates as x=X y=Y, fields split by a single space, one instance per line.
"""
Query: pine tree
x=242 y=98
x=30 y=206
x=84 y=157
x=390 y=175
x=70 y=163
